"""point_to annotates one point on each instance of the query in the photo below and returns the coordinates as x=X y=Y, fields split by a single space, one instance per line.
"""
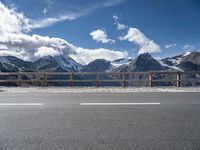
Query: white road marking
x=21 y=104
x=116 y=104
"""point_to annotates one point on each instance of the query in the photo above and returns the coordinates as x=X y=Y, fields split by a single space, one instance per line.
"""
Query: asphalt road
x=57 y=121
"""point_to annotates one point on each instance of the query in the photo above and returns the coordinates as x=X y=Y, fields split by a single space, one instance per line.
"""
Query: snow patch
x=172 y=67
x=186 y=53
x=67 y=63
x=120 y=62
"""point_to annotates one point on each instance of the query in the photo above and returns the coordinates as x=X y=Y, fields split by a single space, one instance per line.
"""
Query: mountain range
x=189 y=61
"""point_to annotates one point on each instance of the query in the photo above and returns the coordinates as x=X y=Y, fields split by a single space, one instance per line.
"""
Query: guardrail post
x=124 y=80
x=97 y=80
x=19 y=79
x=150 y=80
x=45 y=79
x=71 y=79
x=178 y=79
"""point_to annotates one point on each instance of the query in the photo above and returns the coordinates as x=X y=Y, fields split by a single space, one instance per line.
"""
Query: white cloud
x=34 y=24
x=45 y=11
x=101 y=36
x=145 y=44
x=17 y=22
x=46 y=51
x=115 y=17
x=121 y=26
x=10 y=53
x=11 y=21
x=109 y=3
x=84 y=56
x=28 y=45
x=188 y=47
x=33 y=47
x=48 y=21
x=3 y=47
x=170 y=45
x=15 y=41
x=118 y=24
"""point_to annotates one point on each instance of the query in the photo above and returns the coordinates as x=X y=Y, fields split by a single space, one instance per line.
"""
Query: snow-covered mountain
x=189 y=61
x=144 y=63
x=175 y=60
x=47 y=63
x=56 y=63
x=13 y=64
x=4 y=67
x=67 y=63
x=98 y=65
x=120 y=62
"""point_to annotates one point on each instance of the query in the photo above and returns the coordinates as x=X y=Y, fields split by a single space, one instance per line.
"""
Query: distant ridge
x=144 y=62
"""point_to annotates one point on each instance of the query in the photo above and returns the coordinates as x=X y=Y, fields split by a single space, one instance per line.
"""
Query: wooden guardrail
x=122 y=78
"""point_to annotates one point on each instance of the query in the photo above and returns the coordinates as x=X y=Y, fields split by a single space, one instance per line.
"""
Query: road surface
x=99 y=121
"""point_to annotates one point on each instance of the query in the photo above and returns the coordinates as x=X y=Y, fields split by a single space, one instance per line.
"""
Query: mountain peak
x=193 y=57
x=145 y=62
x=56 y=63
x=98 y=65
x=145 y=55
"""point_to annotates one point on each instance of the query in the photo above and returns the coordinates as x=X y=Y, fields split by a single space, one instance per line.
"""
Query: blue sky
x=173 y=25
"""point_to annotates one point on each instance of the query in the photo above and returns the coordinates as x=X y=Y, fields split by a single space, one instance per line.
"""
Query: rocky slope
x=99 y=65
x=189 y=61
x=47 y=63
x=142 y=63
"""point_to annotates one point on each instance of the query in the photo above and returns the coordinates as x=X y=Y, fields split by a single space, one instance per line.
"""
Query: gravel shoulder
x=94 y=89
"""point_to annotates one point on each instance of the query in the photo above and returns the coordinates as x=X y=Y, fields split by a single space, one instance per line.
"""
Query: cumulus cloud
x=46 y=51
x=28 y=45
x=33 y=47
x=3 y=47
x=137 y=37
x=145 y=44
x=170 y=45
x=84 y=56
x=119 y=25
x=11 y=53
x=11 y=21
x=101 y=36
